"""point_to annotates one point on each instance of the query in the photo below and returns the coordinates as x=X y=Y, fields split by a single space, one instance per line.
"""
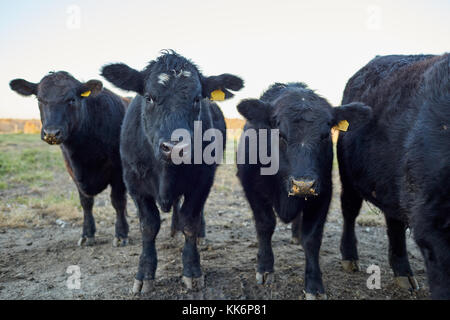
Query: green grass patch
x=25 y=160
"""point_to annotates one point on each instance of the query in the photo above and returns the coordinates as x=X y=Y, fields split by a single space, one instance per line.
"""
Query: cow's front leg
x=190 y=219
x=191 y=216
x=265 y=226
x=150 y=223
x=175 y=226
x=297 y=230
x=265 y=222
x=314 y=217
x=88 y=233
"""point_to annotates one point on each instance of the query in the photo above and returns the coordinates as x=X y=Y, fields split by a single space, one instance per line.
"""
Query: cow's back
x=426 y=164
x=369 y=156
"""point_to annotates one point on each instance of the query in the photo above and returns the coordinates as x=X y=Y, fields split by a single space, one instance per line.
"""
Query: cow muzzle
x=169 y=150
x=302 y=187
x=52 y=136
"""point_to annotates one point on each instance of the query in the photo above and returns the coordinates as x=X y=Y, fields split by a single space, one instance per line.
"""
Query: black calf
x=84 y=119
x=300 y=192
x=172 y=94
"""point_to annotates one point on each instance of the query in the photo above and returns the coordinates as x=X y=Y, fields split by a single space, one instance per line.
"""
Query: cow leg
x=296 y=230
x=88 y=234
x=119 y=202
x=351 y=204
x=191 y=221
x=175 y=226
x=265 y=222
x=150 y=223
x=398 y=255
x=314 y=218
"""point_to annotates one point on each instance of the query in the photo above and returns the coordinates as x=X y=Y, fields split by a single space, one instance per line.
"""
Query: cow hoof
x=194 y=283
x=86 y=242
x=319 y=296
x=351 y=265
x=408 y=283
x=120 y=242
x=201 y=241
x=142 y=287
x=267 y=278
x=295 y=240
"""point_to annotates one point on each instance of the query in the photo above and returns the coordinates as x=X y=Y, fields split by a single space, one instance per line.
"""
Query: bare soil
x=34 y=260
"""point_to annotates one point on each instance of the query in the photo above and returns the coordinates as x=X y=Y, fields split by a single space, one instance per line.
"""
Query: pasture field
x=40 y=223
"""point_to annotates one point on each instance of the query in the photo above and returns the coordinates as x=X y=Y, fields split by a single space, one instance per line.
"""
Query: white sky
x=322 y=43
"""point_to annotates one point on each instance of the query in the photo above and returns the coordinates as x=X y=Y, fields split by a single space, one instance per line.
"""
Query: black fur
x=400 y=161
x=88 y=134
x=305 y=121
x=159 y=109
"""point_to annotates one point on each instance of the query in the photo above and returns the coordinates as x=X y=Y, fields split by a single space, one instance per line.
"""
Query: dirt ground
x=34 y=261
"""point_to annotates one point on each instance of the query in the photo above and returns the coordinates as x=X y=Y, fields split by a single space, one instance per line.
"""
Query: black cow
x=400 y=161
x=301 y=189
x=84 y=119
x=172 y=94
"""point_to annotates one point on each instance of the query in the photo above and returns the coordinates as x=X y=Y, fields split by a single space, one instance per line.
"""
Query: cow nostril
x=52 y=132
x=303 y=187
x=166 y=147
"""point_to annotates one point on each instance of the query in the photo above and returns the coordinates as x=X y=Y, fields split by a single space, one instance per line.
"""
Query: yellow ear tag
x=342 y=126
x=86 y=94
x=217 y=95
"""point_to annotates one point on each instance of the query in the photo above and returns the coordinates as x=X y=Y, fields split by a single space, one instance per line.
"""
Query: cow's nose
x=56 y=133
x=169 y=150
x=302 y=187
x=52 y=135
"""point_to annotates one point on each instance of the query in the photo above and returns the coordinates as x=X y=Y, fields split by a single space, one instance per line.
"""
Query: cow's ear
x=90 y=88
x=256 y=111
x=23 y=87
x=351 y=115
x=124 y=77
x=217 y=88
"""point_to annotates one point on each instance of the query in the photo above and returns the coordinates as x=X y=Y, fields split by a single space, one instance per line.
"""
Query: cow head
x=304 y=121
x=60 y=98
x=171 y=92
x=171 y=89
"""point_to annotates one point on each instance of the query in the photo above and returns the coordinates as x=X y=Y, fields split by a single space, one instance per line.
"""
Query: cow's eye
x=71 y=102
x=197 y=99
x=150 y=99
